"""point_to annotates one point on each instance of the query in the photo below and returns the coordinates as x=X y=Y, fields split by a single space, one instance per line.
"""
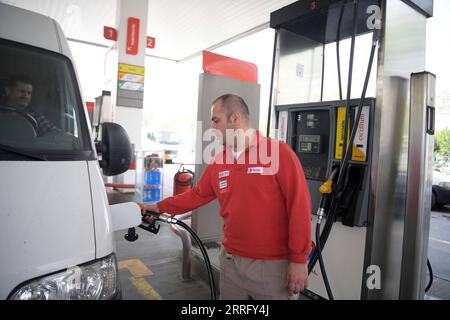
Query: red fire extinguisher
x=183 y=181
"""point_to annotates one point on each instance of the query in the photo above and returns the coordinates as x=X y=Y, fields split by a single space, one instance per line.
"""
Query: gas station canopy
x=182 y=29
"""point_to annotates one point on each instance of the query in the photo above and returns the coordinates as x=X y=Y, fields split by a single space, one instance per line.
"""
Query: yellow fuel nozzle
x=326 y=188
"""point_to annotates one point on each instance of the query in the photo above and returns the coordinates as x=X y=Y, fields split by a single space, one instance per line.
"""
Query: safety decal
x=340 y=124
x=362 y=136
x=255 y=170
x=224 y=174
x=359 y=148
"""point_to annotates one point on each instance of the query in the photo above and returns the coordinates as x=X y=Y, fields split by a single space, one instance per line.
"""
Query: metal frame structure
x=396 y=236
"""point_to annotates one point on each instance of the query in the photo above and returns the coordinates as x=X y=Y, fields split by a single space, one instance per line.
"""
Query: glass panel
x=40 y=108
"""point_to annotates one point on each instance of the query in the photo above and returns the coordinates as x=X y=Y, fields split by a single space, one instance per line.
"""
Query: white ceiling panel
x=182 y=28
x=79 y=19
x=185 y=27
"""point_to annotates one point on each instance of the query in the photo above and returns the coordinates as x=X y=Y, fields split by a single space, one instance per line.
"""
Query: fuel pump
x=354 y=149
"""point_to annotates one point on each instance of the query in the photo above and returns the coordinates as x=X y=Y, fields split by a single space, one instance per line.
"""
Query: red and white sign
x=109 y=33
x=133 y=36
x=151 y=42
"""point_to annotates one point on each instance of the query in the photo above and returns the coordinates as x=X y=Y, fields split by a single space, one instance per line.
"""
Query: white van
x=56 y=227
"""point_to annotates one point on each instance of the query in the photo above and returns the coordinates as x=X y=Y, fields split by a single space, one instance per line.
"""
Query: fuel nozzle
x=326 y=190
x=327 y=187
x=149 y=219
x=150 y=215
x=160 y=217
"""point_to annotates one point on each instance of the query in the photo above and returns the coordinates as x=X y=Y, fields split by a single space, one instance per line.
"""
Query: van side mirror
x=115 y=148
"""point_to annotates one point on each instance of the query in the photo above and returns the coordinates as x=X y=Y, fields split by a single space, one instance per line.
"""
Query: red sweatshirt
x=266 y=212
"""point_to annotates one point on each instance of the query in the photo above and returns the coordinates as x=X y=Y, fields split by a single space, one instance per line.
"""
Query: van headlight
x=97 y=280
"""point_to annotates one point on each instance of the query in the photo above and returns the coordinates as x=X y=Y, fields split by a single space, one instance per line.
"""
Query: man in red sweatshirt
x=264 y=202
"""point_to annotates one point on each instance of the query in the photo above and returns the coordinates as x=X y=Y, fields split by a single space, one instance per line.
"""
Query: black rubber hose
x=335 y=198
x=338 y=55
x=330 y=220
x=269 y=115
x=205 y=256
x=349 y=83
x=322 y=264
x=330 y=216
x=338 y=59
x=430 y=281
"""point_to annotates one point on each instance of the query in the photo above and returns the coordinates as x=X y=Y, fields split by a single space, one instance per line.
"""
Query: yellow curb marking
x=139 y=270
x=136 y=267
x=145 y=289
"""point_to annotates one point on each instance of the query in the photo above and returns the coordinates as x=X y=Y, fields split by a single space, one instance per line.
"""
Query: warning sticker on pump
x=359 y=151
x=359 y=148
x=340 y=127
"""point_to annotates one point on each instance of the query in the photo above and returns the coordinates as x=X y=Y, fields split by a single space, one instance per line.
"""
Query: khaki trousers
x=243 y=278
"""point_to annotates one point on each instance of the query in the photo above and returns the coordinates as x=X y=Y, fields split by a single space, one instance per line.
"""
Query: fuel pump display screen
x=315 y=131
x=309 y=144
x=312 y=142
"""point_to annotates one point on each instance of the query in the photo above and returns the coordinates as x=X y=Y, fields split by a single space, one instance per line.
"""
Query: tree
x=442 y=142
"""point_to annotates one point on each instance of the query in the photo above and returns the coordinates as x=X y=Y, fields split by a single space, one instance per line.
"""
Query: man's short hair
x=232 y=103
x=14 y=79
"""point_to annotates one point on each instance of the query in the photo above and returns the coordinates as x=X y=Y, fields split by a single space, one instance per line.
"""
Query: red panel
x=109 y=33
x=151 y=42
x=133 y=36
x=90 y=105
x=229 y=67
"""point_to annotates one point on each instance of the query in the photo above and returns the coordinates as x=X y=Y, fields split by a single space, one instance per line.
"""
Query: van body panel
x=102 y=217
x=25 y=26
x=64 y=46
x=54 y=214
x=65 y=50
x=47 y=221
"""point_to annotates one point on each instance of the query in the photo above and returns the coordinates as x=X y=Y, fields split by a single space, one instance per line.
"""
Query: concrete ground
x=150 y=268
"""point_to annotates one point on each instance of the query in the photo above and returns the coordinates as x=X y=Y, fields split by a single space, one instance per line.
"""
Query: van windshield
x=41 y=111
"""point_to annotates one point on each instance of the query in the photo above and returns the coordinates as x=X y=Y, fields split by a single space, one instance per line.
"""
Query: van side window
x=41 y=110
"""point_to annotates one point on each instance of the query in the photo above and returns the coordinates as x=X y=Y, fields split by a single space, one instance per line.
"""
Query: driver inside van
x=19 y=91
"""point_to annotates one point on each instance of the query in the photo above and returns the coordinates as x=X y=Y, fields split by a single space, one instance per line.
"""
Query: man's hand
x=297 y=278
x=152 y=207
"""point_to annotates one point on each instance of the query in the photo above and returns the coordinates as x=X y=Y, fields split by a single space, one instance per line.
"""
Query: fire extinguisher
x=183 y=181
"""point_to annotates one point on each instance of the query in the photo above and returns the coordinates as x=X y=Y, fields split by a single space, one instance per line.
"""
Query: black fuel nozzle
x=131 y=235
x=149 y=222
x=151 y=214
